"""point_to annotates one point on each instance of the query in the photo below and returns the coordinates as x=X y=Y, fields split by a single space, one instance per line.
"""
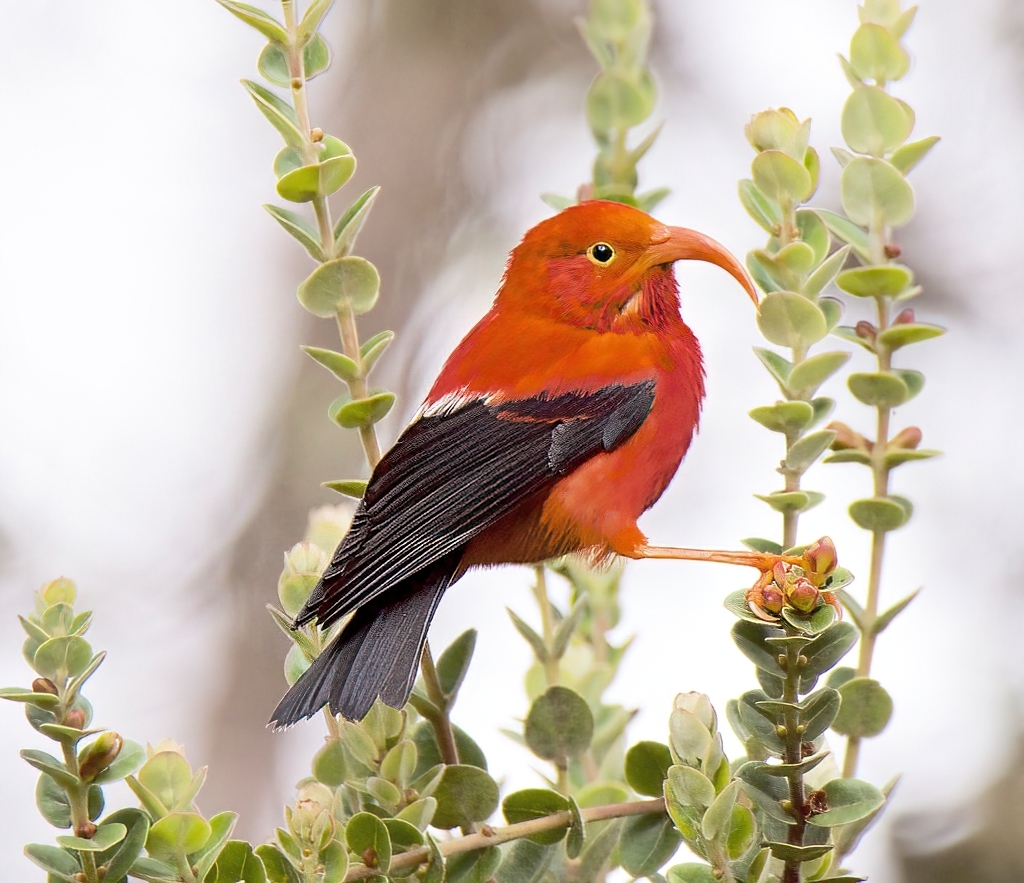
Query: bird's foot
x=797 y=581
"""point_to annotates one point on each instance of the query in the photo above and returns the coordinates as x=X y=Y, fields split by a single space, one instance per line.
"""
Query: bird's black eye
x=601 y=253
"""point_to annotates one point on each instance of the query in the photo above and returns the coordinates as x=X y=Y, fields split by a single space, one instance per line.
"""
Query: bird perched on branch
x=559 y=419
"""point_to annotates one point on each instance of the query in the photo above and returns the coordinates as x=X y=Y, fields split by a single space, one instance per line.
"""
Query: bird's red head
x=607 y=266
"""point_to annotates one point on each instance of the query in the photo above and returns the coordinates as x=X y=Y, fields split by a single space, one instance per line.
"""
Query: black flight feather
x=450 y=476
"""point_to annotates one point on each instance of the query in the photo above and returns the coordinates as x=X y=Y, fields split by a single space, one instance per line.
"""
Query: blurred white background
x=158 y=411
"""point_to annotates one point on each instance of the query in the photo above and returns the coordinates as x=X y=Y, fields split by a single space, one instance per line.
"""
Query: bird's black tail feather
x=376 y=654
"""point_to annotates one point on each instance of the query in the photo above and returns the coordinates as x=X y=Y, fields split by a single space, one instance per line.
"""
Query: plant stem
x=496 y=836
x=78 y=798
x=793 y=741
x=540 y=592
x=880 y=475
x=440 y=722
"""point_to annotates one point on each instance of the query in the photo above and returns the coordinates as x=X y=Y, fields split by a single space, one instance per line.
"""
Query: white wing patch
x=450 y=403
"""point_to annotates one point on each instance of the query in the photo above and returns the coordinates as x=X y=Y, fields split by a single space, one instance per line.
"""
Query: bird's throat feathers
x=629 y=303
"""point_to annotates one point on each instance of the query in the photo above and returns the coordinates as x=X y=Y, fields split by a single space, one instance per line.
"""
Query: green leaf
x=273 y=61
x=351 y=282
x=399 y=764
x=789 y=319
x=131 y=756
x=646 y=843
x=787 y=852
x=780 y=177
x=366 y=835
x=307 y=183
x=340 y=365
x=577 y=837
x=270 y=27
x=237 y=863
x=758 y=544
x=809 y=374
x=648 y=200
x=154 y=871
x=299 y=227
x=785 y=770
x=884 y=619
x=567 y=628
x=810 y=623
x=278 y=868
x=53 y=802
x=119 y=859
x=617 y=101
x=556 y=201
x=419 y=813
x=879 y=513
x=873 y=188
x=594 y=858
x=847 y=231
x=524 y=862
x=55 y=861
x=169 y=778
x=287 y=160
x=559 y=725
x=453 y=663
x=825 y=274
x=360 y=413
x=20 y=694
x=47 y=763
x=876 y=54
x=762 y=209
x=105 y=837
x=476 y=866
x=777 y=366
x=874 y=122
x=350 y=487
x=311 y=20
x=766 y=791
x=849 y=800
x=691 y=872
x=866 y=709
x=878 y=389
x=827 y=649
x=718 y=819
x=900 y=335
x=818 y=711
x=62 y=657
x=889 y=280
x=647 y=765
x=913 y=380
x=177 y=832
x=465 y=794
x=909 y=155
x=281 y=115
x=791 y=501
x=850 y=455
x=806 y=450
x=784 y=417
x=736 y=604
x=814 y=233
x=750 y=639
x=536 y=803
x=350 y=224
x=429 y=755
x=221 y=826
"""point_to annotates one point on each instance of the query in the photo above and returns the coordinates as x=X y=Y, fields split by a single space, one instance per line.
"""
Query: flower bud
x=772 y=600
x=699 y=705
x=74 y=718
x=846 y=438
x=99 y=755
x=772 y=129
x=311 y=812
x=816 y=803
x=780 y=573
x=906 y=439
x=892 y=250
x=906 y=317
x=821 y=557
x=866 y=331
x=302 y=568
x=44 y=685
x=327 y=526
x=803 y=596
x=60 y=590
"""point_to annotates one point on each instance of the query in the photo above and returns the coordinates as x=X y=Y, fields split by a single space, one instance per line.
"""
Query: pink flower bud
x=906 y=439
x=821 y=557
x=803 y=596
x=865 y=330
x=906 y=317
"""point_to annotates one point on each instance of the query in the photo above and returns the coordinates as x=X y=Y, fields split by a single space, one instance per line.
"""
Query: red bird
x=559 y=419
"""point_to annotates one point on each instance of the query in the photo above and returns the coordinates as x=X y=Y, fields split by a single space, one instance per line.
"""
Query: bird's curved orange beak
x=682 y=244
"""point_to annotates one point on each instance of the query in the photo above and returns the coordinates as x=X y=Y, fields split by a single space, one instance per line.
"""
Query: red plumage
x=558 y=420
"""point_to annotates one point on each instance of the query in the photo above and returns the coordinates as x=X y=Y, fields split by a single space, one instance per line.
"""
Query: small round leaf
x=647 y=765
x=780 y=177
x=789 y=319
x=351 y=281
x=866 y=708
x=535 y=803
x=465 y=794
x=874 y=122
x=873 y=188
x=559 y=726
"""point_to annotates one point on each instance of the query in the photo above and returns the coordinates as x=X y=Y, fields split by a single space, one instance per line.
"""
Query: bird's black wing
x=456 y=471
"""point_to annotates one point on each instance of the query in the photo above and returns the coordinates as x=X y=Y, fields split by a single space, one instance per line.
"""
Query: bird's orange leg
x=762 y=561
